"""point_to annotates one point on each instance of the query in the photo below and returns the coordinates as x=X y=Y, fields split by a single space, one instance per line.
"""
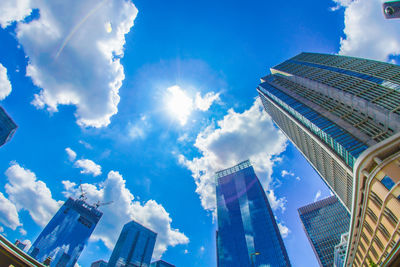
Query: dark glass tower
x=324 y=222
x=333 y=108
x=247 y=231
x=7 y=127
x=161 y=263
x=65 y=236
x=134 y=247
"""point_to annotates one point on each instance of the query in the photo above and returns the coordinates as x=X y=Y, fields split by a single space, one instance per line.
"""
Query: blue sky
x=143 y=101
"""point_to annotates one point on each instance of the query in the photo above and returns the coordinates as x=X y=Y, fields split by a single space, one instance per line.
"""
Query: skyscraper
x=161 y=263
x=343 y=114
x=247 y=231
x=7 y=127
x=333 y=108
x=99 y=263
x=324 y=222
x=134 y=247
x=65 y=236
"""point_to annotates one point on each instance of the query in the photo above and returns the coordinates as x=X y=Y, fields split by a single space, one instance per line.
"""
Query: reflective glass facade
x=134 y=247
x=7 y=127
x=65 y=236
x=246 y=223
x=324 y=222
x=161 y=263
x=99 y=263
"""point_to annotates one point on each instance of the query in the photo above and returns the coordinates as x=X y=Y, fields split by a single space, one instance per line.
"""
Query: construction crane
x=82 y=196
x=98 y=204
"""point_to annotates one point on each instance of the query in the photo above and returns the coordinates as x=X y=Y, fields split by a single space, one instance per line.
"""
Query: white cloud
x=28 y=244
x=298 y=178
x=73 y=57
x=88 y=167
x=183 y=138
x=71 y=154
x=22 y=231
x=186 y=251
x=139 y=129
x=283 y=229
x=237 y=137
x=5 y=85
x=8 y=213
x=126 y=208
x=85 y=144
x=285 y=172
x=13 y=10
x=276 y=203
x=1 y=229
x=202 y=249
x=180 y=104
x=368 y=33
x=204 y=103
x=317 y=195
x=29 y=193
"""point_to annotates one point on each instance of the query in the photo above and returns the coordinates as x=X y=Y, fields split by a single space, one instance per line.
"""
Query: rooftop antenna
x=98 y=204
x=82 y=196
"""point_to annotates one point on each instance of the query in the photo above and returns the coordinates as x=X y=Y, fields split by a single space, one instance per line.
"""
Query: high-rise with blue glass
x=247 y=232
x=161 y=263
x=67 y=233
x=343 y=114
x=324 y=222
x=134 y=247
x=7 y=127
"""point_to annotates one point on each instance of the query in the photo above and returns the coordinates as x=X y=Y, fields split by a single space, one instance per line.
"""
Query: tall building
x=343 y=114
x=324 y=222
x=67 y=233
x=134 y=247
x=161 y=263
x=7 y=127
x=247 y=231
x=340 y=251
x=99 y=263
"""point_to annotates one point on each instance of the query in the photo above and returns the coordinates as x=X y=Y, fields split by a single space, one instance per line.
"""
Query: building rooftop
x=242 y=165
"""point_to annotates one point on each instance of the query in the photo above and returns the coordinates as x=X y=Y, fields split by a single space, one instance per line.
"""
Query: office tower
x=7 y=127
x=340 y=251
x=99 y=263
x=67 y=233
x=161 y=263
x=20 y=245
x=342 y=113
x=247 y=231
x=134 y=247
x=324 y=222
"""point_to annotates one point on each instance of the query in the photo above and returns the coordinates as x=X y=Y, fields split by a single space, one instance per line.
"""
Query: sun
x=179 y=104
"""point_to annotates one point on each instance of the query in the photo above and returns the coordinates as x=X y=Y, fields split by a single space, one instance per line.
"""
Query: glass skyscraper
x=324 y=222
x=7 y=127
x=161 y=263
x=333 y=108
x=247 y=231
x=65 y=236
x=134 y=247
x=99 y=263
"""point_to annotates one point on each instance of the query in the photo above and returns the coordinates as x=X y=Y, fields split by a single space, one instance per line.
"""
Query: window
x=388 y=182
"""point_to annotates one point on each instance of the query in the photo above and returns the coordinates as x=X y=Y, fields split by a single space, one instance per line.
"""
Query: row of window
x=344 y=144
x=333 y=173
x=361 y=85
x=345 y=112
x=381 y=70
